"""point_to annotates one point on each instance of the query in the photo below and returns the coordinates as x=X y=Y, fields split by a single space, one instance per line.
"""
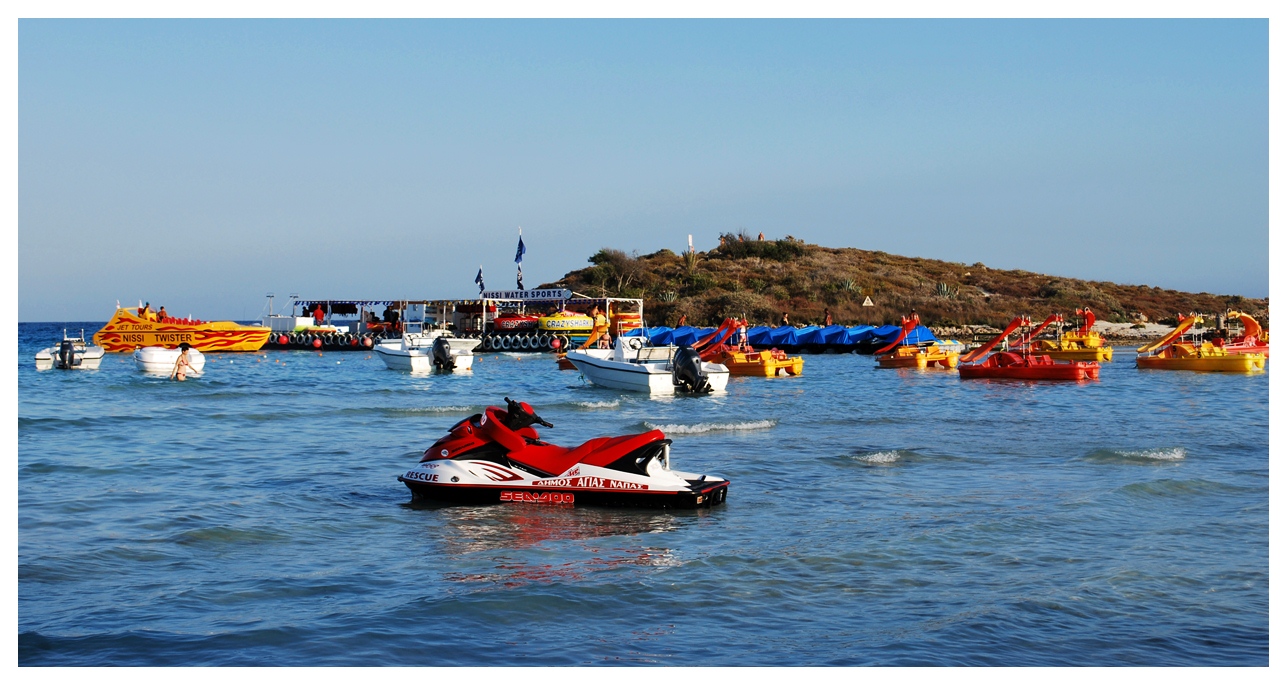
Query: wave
x=1153 y=455
x=1178 y=488
x=426 y=410
x=886 y=457
x=605 y=404
x=879 y=458
x=694 y=428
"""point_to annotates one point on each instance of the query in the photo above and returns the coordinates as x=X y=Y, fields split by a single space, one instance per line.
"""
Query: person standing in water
x=182 y=365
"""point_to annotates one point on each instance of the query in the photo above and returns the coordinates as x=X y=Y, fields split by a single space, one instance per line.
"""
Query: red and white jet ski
x=497 y=456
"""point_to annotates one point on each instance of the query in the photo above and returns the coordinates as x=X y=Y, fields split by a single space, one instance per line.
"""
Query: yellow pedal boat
x=1081 y=345
x=1074 y=347
x=765 y=363
x=742 y=359
x=1170 y=353
x=913 y=357
x=895 y=356
x=129 y=329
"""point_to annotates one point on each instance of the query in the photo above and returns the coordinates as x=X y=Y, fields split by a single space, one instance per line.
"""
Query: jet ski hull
x=698 y=496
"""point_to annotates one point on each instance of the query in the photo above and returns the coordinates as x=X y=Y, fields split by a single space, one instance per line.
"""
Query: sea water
x=876 y=517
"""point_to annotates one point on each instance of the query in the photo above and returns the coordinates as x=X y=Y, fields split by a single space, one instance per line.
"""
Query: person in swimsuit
x=182 y=365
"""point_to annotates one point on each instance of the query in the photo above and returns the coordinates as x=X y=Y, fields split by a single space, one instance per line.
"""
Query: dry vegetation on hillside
x=762 y=279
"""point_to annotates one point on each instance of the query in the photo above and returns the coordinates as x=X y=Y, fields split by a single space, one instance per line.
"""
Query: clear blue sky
x=202 y=164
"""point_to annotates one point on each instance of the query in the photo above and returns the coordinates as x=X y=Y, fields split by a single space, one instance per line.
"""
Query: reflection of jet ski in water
x=497 y=456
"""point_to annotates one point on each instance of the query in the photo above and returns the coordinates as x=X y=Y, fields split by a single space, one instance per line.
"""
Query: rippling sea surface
x=875 y=517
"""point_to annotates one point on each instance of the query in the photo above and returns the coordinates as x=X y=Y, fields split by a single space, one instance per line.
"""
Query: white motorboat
x=634 y=365
x=70 y=353
x=421 y=350
x=161 y=360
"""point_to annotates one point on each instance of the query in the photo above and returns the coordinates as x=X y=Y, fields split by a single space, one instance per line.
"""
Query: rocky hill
x=761 y=279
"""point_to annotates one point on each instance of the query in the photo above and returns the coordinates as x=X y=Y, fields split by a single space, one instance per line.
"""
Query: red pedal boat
x=1023 y=365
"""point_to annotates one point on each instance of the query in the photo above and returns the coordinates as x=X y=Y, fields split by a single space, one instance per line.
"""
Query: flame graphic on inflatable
x=127 y=331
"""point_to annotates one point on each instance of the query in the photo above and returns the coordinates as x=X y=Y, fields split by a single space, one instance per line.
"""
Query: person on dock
x=318 y=315
x=182 y=365
x=786 y=320
x=826 y=313
x=598 y=330
x=683 y=320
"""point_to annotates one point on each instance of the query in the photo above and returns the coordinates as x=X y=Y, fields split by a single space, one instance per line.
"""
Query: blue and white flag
x=518 y=258
x=479 y=280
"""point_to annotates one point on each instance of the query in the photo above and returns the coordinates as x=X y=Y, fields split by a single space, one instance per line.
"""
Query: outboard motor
x=66 y=355
x=442 y=355
x=686 y=371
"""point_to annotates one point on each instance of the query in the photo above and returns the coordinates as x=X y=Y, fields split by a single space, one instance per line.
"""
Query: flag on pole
x=518 y=258
x=479 y=280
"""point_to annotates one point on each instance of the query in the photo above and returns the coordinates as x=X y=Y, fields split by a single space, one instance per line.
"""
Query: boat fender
x=524 y=342
x=366 y=342
x=282 y=340
x=317 y=343
x=543 y=342
x=563 y=341
x=504 y=342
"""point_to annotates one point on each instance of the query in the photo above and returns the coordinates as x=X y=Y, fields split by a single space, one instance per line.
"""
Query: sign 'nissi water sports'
x=548 y=294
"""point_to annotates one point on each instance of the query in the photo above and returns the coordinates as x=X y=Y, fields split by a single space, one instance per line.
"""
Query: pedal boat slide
x=1172 y=353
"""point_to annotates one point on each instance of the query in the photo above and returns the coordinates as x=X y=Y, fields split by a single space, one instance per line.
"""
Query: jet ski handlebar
x=520 y=415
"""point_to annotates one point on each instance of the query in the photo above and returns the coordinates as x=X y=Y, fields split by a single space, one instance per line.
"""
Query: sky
x=202 y=164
